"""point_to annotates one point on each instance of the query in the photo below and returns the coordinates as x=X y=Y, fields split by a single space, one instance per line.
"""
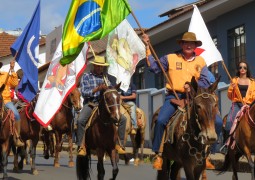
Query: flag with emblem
x=208 y=49
x=124 y=51
x=89 y=20
x=58 y=83
x=26 y=52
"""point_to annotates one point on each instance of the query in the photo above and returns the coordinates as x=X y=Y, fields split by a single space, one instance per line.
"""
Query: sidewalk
x=216 y=159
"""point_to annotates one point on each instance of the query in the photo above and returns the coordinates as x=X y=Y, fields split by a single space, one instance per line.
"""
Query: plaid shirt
x=89 y=82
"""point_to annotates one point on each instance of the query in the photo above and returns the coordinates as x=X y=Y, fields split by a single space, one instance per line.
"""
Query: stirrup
x=82 y=151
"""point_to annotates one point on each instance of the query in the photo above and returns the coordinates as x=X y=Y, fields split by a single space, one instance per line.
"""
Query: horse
x=30 y=130
x=241 y=141
x=101 y=135
x=193 y=132
x=6 y=134
x=137 y=139
x=62 y=124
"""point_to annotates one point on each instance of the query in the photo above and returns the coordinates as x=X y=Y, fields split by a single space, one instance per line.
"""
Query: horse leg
x=70 y=145
x=164 y=173
x=33 y=155
x=5 y=159
x=124 y=145
x=100 y=164
x=114 y=161
x=142 y=144
x=15 y=160
x=21 y=152
x=189 y=171
x=46 y=144
x=174 y=170
x=58 y=148
x=135 y=150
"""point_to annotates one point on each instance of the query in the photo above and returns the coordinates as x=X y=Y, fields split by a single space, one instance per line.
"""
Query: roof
x=6 y=40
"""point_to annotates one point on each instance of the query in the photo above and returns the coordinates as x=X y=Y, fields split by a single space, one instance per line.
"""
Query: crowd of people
x=181 y=67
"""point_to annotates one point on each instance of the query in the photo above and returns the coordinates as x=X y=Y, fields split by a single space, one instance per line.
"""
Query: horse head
x=205 y=109
x=109 y=104
x=75 y=99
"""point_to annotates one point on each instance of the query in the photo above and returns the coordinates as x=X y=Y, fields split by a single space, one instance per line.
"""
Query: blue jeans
x=232 y=114
x=166 y=111
x=218 y=128
x=11 y=106
x=133 y=113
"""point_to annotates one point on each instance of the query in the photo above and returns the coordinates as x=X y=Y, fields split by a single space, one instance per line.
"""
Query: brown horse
x=137 y=139
x=194 y=132
x=101 y=135
x=6 y=133
x=241 y=142
x=30 y=129
x=62 y=124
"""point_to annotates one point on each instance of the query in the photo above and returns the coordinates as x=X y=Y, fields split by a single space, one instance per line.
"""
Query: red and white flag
x=58 y=83
x=124 y=50
x=208 y=49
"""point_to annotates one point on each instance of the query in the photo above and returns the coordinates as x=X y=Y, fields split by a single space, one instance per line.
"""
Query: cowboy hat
x=191 y=37
x=100 y=61
x=1 y=64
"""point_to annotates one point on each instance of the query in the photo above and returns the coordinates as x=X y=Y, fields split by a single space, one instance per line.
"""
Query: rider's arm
x=203 y=80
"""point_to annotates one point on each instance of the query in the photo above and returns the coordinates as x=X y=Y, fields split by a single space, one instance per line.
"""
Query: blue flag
x=26 y=51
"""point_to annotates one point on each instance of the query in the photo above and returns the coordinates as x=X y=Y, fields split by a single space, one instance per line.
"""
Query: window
x=214 y=67
x=53 y=46
x=236 y=47
x=139 y=77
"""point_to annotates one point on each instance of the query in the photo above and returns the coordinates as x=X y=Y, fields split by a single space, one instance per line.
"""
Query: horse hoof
x=71 y=164
x=136 y=162
x=57 y=165
x=35 y=172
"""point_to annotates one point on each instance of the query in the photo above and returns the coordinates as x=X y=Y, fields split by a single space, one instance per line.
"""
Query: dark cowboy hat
x=189 y=36
x=1 y=64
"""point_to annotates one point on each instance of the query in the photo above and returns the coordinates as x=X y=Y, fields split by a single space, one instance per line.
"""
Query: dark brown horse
x=137 y=139
x=6 y=134
x=101 y=135
x=241 y=142
x=194 y=132
x=62 y=124
x=30 y=129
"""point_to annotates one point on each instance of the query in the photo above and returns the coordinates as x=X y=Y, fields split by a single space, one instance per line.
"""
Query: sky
x=16 y=14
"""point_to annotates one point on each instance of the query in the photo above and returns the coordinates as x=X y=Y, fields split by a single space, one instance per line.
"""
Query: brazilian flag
x=89 y=20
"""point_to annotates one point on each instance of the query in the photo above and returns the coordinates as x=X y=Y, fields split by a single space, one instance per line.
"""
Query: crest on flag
x=59 y=82
x=124 y=51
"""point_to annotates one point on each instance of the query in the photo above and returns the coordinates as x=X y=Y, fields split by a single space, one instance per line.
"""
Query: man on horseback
x=180 y=67
x=10 y=80
x=129 y=97
x=91 y=85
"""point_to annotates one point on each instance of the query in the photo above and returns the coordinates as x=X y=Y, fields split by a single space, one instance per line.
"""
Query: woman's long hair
x=248 y=72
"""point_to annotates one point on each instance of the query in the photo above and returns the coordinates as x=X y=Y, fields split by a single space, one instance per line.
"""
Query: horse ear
x=194 y=83
x=214 y=86
x=117 y=87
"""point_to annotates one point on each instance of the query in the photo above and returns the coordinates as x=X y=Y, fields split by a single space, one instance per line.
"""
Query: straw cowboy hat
x=189 y=36
x=100 y=61
x=1 y=64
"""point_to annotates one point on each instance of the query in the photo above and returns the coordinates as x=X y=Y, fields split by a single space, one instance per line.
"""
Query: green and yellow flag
x=89 y=20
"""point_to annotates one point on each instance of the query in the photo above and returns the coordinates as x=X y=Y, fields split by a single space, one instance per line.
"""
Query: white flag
x=208 y=49
x=124 y=50
x=58 y=83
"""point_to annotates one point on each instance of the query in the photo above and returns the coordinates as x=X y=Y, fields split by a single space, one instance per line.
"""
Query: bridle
x=106 y=103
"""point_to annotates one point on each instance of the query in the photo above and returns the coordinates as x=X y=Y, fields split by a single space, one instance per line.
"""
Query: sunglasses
x=242 y=67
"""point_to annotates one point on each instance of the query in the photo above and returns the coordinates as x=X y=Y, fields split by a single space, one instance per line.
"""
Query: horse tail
x=83 y=167
x=138 y=138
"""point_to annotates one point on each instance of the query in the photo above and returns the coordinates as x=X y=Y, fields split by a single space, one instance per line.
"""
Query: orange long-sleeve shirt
x=11 y=83
x=234 y=93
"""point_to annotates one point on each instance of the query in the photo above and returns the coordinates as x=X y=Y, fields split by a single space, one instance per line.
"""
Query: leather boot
x=208 y=164
x=82 y=149
x=17 y=139
x=157 y=162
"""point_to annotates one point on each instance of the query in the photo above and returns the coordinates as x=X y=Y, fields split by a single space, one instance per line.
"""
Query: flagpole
x=156 y=57
x=224 y=66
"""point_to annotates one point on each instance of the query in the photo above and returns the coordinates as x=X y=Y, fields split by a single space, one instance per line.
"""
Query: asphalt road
x=48 y=172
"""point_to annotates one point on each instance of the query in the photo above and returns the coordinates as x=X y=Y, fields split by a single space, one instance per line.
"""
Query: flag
x=26 y=52
x=59 y=82
x=89 y=20
x=208 y=49
x=124 y=50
